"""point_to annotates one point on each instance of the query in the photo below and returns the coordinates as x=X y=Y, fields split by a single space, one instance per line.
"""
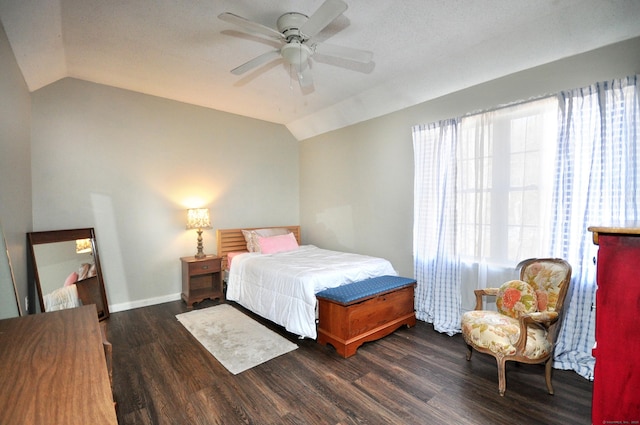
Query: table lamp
x=198 y=218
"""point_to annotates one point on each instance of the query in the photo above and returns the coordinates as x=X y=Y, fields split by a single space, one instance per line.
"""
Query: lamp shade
x=198 y=218
x=83 y=246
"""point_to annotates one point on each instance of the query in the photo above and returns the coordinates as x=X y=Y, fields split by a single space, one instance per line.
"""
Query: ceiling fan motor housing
x=290 y=23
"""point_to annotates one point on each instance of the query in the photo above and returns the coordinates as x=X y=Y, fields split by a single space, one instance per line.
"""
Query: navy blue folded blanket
x=351 y=292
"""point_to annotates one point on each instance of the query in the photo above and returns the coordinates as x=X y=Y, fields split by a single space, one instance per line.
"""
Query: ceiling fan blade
x=250 y=25
x=349 y=53
x=305 y=78
x=326 y=13
x=256 y=62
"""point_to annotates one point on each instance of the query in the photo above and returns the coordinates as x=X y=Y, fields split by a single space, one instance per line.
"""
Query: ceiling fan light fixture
x=295 y=53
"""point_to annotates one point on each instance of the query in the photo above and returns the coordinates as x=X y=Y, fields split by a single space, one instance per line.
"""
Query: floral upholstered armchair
x=525 y=327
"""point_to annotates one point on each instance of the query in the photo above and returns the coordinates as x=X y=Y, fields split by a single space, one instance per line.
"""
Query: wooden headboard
x=232 y=240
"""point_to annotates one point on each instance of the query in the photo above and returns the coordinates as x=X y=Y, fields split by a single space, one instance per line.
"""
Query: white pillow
x=251 y=236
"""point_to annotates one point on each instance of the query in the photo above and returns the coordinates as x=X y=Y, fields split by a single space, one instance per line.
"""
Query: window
x=504 y=163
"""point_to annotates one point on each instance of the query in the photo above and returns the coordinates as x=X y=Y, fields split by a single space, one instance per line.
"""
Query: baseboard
x=114 y=308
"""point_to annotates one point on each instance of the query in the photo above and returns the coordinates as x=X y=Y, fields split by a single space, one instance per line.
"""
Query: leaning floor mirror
x=66 y=269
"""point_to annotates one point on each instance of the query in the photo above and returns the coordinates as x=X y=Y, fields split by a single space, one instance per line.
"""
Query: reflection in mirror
x=9 y=302
x=67 y=270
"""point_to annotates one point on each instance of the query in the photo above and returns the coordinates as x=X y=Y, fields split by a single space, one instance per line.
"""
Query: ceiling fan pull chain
x=290 y=77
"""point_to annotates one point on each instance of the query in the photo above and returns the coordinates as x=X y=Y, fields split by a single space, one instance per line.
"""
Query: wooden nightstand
x=201 y=279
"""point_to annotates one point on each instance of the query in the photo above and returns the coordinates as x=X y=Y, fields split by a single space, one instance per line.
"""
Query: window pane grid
x=500 y=178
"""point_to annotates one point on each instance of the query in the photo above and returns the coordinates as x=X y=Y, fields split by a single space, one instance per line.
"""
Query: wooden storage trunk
x=370 y=310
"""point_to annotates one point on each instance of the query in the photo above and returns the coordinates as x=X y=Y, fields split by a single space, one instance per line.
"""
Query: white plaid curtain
x=437 y=264
x=597 y=182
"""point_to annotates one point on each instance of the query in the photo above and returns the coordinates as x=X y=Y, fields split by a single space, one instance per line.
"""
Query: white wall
x=129 y=165
x=15 y=167
x=356 y=184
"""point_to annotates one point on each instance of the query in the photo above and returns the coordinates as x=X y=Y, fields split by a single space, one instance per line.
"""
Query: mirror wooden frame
x=9 y=300
x=90 y=290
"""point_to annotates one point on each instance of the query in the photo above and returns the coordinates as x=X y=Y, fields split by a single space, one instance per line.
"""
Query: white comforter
x=62 y=298
x=281 y=287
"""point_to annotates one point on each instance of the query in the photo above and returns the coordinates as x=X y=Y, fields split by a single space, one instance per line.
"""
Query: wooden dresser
x=616 y=384
x=54 y=370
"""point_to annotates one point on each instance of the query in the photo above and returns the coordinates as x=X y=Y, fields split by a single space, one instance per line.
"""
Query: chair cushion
x=499 y=334
x=545 y=277
x=515 y=298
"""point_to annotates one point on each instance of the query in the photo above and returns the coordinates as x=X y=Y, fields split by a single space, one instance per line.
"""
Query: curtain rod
x=508 y=105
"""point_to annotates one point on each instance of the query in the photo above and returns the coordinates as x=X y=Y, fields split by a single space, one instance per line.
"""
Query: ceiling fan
x=296 y=32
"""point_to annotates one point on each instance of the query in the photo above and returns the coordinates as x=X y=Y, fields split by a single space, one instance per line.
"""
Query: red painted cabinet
x=616 y=384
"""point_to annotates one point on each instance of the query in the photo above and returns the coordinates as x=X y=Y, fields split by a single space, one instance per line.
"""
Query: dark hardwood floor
x=162 y=375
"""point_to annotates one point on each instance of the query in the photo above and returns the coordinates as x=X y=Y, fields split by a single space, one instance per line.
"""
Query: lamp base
x=200 y=254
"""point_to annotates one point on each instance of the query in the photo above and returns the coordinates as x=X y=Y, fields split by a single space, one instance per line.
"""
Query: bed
x=77 y=289
x=281 y=286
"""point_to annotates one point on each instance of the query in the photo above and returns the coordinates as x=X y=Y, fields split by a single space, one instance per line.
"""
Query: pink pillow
x=71 y=279
x=279 y=243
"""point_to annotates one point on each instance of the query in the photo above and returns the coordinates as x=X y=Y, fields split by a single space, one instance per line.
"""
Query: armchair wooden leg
x=547 y=374
x=469 y=352
x=502 y=379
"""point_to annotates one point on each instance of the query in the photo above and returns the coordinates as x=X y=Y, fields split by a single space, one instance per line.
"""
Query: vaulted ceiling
x=422 y=49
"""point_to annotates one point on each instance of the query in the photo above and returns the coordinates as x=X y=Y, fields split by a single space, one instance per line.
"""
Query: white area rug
x=235 y=339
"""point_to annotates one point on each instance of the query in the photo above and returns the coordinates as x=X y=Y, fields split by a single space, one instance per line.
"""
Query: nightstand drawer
x=205 y=267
